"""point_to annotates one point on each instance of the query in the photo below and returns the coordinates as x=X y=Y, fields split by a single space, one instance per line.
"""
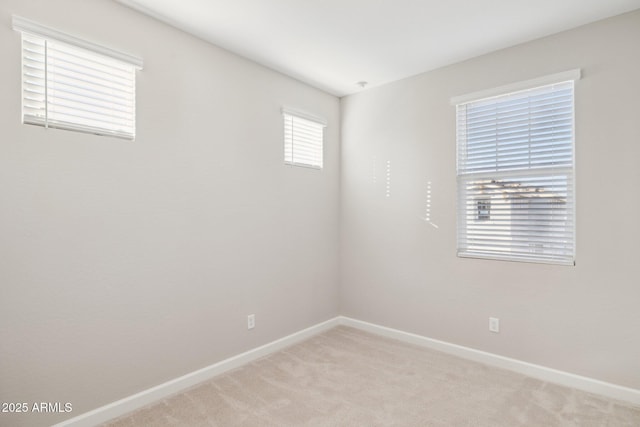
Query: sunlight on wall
x=388 y=192
x=427 y=216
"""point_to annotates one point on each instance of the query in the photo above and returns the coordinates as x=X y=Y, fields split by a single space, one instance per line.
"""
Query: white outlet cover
x=494 y=324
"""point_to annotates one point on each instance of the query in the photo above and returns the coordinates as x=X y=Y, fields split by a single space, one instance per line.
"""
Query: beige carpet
x=346 y=377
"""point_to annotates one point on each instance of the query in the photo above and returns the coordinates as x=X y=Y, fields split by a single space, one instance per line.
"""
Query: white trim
x=302 y=165
x=304 y=115
x=564 y=76
x=169 y=388
x=543 y=373
x=27 y=26
x=511 y=258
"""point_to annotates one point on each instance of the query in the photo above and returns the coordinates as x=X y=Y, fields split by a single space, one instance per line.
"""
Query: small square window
x=303 y=139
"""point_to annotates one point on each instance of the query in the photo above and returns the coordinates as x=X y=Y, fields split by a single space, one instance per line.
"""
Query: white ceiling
x=333 y=44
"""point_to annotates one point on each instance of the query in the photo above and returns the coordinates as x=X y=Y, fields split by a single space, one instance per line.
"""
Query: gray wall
x=126 y=264
x=401 y=271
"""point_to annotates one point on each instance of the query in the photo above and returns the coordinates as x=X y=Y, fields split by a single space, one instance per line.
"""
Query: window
x=68 y=83
x=303 y=139
x=515 y=171
x=484 y=209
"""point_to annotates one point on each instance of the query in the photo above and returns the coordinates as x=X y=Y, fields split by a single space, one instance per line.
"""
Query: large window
x=515 y=172
x=303 y=139
x=68 y=83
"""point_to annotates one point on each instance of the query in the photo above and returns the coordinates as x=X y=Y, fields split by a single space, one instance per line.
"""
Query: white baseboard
x=536 y=371
x=162 y=391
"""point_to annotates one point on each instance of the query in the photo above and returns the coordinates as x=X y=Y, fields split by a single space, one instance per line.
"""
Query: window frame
x=566 y=255
x=290 y=139
x=80 y=98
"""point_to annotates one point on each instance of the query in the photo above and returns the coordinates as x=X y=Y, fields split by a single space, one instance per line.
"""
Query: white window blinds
x=515 y=175
x=303 y=139
x=71 y=84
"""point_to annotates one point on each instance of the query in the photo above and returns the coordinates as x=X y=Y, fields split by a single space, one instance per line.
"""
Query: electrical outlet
x=494 y=324
x=251 y=321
